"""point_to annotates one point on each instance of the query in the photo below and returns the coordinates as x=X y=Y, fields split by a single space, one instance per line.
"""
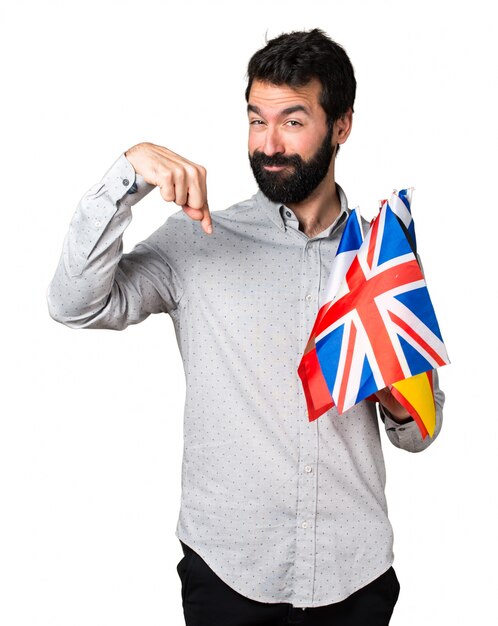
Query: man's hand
x=389 y=402
x=179 y=180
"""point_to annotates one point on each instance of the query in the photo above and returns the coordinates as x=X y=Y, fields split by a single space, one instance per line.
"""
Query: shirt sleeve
x=407 y=436
x=97 y=286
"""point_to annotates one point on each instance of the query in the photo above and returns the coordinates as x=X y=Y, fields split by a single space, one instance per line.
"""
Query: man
x=282 y=520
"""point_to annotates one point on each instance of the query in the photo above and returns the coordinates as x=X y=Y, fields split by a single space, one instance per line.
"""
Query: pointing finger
x=203 y=215
x=207 y=223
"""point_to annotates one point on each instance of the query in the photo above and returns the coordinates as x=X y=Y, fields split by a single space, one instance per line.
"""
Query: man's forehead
x=268 y=95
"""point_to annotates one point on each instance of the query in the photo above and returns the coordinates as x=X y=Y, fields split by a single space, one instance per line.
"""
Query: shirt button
x=126 y=182
x=308 y=469
x=309 y=298
x=288 y=213
x=304 y=525
x=97 y=224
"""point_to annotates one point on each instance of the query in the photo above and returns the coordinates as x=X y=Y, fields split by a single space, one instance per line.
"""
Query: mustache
x=277 y=159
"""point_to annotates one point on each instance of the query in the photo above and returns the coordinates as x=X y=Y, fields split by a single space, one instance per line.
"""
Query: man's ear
x=342 y=127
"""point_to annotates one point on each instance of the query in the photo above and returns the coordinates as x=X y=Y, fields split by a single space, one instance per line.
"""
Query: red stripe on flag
x=321 y=314
x=373 y=241
x=430 y=378
x=318 y=398
x=414 y=335
x=355 y=277
x=347 y=368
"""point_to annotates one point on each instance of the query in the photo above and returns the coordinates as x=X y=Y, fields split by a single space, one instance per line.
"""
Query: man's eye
x=294 y=123
x=256 y=122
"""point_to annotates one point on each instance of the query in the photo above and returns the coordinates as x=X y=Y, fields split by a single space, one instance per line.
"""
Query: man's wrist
x=399 y=420
x=405 y=418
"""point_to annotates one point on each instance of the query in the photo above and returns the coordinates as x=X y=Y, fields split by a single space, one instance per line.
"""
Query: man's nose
x=273 y=143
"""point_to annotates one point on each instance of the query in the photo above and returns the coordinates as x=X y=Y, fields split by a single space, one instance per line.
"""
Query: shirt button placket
x=308 y=444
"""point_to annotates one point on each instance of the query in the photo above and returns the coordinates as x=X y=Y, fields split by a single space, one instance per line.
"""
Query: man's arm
x=405 y=434
x=95 y=285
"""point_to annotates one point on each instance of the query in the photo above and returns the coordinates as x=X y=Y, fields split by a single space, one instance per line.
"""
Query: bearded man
x=282 y=521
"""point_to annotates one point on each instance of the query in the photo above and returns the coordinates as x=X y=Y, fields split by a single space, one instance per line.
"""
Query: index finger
x=203 y=215
x=207 y=222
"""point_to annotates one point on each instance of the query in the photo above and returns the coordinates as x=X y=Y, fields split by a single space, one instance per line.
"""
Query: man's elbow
x=60 y=314
x=69 y=313
x=57 y=308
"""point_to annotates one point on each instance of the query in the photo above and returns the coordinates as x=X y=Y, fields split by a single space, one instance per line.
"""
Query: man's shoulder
x=236 y=210
x=176 y=236
x=180 y=218
x=179 y=227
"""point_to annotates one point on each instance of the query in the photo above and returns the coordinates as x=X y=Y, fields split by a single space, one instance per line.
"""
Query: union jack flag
x=380 y=328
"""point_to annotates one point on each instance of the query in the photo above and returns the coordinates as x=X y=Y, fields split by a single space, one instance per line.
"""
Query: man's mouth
x=274 y=168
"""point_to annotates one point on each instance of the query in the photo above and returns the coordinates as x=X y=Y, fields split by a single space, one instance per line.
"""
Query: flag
x=379 y=328
x=416 y=393
x=318 y=398
x=351 y=240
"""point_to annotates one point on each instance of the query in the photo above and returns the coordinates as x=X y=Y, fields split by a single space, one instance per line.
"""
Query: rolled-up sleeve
x=97 y=286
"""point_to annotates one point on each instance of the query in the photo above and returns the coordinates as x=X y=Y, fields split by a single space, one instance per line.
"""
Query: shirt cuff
x=406 y=432
x=123 y=183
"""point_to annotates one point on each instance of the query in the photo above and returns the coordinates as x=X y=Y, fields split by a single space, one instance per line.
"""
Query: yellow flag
x=416 y=394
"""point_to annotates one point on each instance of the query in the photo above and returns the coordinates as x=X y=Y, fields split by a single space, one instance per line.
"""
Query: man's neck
x=320 y=209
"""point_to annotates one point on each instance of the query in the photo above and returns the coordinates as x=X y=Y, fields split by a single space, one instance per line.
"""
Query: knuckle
x=167 y=175
x=199 y=173
x=143 y=146
x=179 y=173
x=190 y=170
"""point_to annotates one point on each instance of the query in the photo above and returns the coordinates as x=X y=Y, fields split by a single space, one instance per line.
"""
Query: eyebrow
x=251 y=108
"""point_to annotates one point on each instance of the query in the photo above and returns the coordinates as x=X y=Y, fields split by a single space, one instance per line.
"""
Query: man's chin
x=274 y=196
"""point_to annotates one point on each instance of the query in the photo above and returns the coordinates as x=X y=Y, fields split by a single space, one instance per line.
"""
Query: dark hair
x=296 y=58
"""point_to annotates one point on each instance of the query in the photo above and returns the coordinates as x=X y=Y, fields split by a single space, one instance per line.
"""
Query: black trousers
x=208 y=601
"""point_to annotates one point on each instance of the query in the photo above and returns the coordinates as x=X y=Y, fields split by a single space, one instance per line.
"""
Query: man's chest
x=256 y=297
x=280 y=275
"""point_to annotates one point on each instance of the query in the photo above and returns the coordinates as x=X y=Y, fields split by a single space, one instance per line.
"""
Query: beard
x=295 y=186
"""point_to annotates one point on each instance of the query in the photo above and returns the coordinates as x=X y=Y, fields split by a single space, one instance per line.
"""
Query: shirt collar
x=285 y=218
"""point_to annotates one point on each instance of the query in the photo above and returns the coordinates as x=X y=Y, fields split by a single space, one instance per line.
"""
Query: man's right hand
x=179 y=180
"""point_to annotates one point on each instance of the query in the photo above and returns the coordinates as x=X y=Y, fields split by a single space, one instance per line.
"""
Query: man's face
x=290 y=144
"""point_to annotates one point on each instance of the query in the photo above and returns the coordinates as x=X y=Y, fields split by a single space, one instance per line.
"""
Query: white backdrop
x=91 y=421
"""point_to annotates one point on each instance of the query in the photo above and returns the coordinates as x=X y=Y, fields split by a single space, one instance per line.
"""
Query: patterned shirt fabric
x=283 y=510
